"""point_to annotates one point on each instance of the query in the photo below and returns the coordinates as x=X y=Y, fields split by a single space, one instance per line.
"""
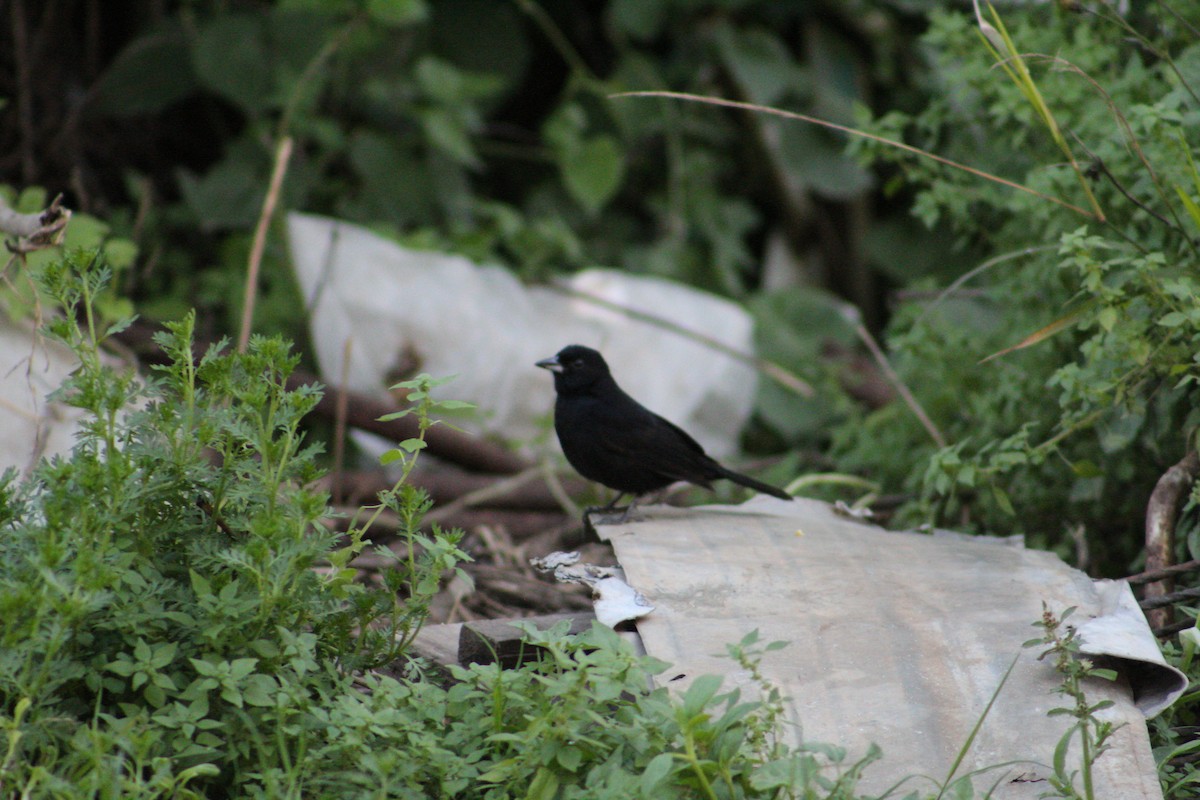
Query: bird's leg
x=628 y=510
x=605 y=509
x=625 y=514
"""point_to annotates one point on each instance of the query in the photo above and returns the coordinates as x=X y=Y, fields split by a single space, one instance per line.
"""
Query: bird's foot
x=611 y=514
x=600 y=515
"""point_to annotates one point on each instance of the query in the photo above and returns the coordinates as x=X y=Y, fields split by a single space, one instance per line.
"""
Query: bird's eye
x=577 y=363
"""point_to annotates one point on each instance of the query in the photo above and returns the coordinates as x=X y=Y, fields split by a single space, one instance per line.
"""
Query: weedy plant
x=165 y=625
x=1089 y=731
x=1060 y=362
x=1176 y=748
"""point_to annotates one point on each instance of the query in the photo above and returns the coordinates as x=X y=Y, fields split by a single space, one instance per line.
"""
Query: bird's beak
x=550 y=364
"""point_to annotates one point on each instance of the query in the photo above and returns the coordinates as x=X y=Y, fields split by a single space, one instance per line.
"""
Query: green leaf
x=397 y=13
x=447 y=132
x=164 y=654
x=120 y=253
x=147 y=76
x=638 y=18
x=1003 y=501
x=1060 y=751
x=453 y=405
x=231 y=59
x=259 y=690
x=759 y=62
x=204 y=668
x=780 y=773
x=544 y=785
x=230 y=694
x=241 y=667
x=452 y=87
x=1193 y=209
x=698 y=695
x=122 y=667
x=569 y=757
x=655 y=773
x=155 y=696
x=198 y=771
x=230 y=194
x=592 y=171
x=817 y=159
x=1173 y=319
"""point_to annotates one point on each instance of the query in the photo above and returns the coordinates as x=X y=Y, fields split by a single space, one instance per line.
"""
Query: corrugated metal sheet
x=899 y=639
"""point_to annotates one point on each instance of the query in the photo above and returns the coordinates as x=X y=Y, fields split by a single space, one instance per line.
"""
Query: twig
x=24 y=81
x=282 y=154
x=482 y=495
x=1163 y=600
x=520 y=524
x=554 y=484
x=35 y=231
x=1165 y=572
x=718 y=101
x=557 y=40
x=1161 y=513
x=776 y=372
x=952 y=289
x=447 y=484
x=1173 y=628
x=339 y=426
x=895 y=380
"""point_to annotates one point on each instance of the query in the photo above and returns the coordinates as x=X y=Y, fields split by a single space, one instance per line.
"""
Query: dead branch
x=34 y=231
x=1162 y=512
x=363 y=412
x=449 y=485
x=1166 y=572
x=520 y=524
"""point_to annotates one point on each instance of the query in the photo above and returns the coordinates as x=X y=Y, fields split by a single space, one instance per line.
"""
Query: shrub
x=1088 y=289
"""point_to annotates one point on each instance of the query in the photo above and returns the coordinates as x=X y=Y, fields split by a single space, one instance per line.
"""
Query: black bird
x=613 y=439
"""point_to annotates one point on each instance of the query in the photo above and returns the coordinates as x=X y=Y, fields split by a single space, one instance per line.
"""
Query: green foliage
x=1175 y=746
x=179 y=621
x=485 y=128
x=1095 y=393
x=163 y=610
x=1062 y=644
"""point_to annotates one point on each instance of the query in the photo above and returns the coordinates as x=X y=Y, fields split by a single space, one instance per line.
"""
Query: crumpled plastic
x=387 y=305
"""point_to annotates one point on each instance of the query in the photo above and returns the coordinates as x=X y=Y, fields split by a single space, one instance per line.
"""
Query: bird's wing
x=684 y=437
x=658 y=445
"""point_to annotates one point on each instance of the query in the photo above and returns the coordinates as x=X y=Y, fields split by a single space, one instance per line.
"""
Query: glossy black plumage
x=610 y=438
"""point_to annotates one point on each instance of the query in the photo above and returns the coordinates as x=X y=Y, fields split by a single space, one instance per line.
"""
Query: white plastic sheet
x=383 y=301
x=31 y=367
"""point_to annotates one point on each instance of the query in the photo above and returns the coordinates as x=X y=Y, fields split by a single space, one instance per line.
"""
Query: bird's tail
x=750 y=483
